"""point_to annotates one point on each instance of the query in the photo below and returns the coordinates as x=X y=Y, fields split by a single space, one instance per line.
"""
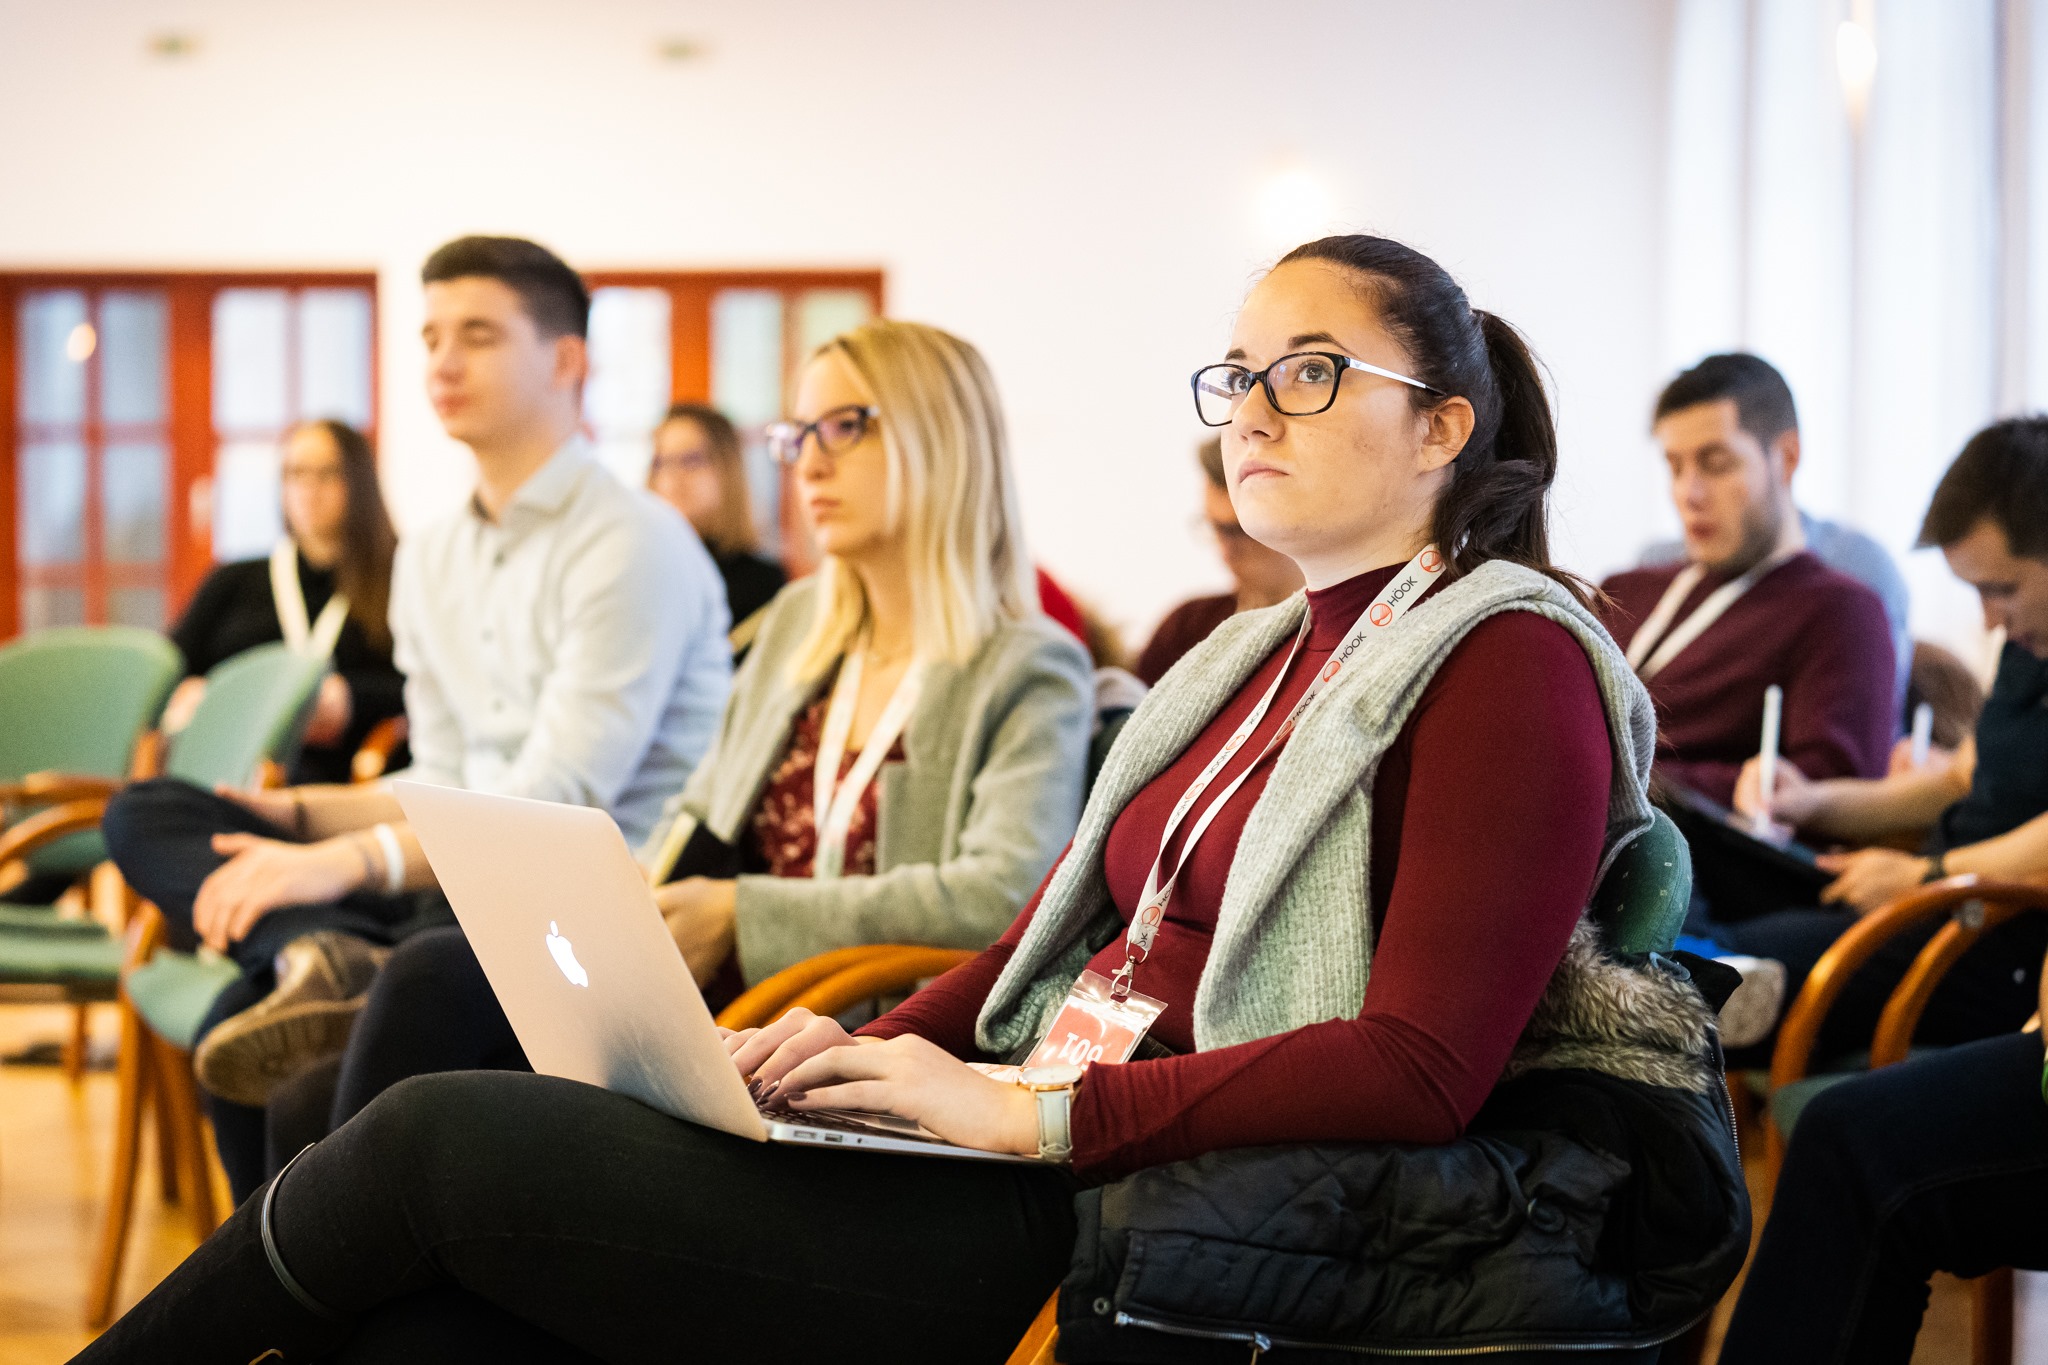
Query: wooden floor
x=55 y=1143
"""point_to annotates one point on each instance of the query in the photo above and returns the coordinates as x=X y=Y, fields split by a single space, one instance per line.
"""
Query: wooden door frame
x=188 y=294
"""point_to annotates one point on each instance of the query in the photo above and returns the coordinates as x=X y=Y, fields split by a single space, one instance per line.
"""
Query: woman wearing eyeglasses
x=1409 y=777
x=700 y=470
x=902 y=756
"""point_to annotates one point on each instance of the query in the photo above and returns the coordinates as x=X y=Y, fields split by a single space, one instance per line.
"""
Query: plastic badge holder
x=1091 y=1027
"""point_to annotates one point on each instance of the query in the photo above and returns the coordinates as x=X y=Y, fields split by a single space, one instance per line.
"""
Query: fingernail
x=792 y=1097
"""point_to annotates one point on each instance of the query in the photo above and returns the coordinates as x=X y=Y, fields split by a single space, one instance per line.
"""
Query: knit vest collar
x=1293 y=939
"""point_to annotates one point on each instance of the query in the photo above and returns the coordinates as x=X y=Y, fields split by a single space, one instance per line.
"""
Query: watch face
x=1050 y=1077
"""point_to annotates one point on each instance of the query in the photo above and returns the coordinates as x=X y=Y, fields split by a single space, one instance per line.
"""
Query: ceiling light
x=1293 y=206
x=171 y=46
x=1855 y=64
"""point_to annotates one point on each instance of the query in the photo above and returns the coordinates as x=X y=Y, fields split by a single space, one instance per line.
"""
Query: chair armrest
x=1992 y=905
x=896 y=971
x=51 y=787
x=144 y=935
x=1036 y=1346
x=1831 y=975
x=373 y=758
x=766 y=1000
x=49 y=825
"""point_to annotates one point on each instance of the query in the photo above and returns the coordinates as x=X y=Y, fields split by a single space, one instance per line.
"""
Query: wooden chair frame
x=1973 y=906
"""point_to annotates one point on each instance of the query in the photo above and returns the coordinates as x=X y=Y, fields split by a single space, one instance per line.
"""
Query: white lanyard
x=1648 y=665
x=1390 y=606
x=315 y=641
x=833 y=802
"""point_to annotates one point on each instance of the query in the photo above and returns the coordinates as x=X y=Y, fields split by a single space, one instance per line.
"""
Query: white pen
x=1767 y=755
x=1923 y=734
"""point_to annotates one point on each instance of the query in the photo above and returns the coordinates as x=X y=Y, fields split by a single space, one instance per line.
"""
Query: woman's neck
x=885 y=578
x=1325 y=568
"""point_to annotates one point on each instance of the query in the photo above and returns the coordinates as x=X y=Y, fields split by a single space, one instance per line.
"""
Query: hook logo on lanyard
x=1394 y=600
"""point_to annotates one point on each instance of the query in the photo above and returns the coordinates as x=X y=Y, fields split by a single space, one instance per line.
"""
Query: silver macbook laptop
x=567 y=930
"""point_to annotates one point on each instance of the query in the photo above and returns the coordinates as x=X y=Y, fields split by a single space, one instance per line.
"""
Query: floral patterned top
x=784 y=827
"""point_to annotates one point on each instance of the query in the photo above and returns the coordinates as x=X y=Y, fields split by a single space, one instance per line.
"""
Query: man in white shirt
x=563 y=637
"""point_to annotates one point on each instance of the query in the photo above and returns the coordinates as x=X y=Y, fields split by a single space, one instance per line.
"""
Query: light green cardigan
x=990 y=787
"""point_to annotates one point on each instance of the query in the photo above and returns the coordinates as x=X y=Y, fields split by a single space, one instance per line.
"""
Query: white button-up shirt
x=572 y=650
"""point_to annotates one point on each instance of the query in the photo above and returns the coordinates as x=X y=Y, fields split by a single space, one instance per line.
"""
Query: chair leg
x=1991 y=1305
x=132 y=1082
x=169 y=1179
x=75 y=1045
x=173 y=1069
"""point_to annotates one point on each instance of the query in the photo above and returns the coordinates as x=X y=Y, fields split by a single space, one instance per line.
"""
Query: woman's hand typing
x=803 y=1061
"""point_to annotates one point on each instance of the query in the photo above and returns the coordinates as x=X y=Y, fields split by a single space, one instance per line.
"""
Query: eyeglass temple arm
x=1356 y=364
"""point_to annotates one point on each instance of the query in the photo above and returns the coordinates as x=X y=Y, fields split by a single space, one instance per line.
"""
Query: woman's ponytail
x=1496 y=502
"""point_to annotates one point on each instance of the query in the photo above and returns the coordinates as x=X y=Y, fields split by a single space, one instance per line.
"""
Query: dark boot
x=223 y=1306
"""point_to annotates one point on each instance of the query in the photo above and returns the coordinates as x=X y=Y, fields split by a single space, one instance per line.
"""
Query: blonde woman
x=908 y=699
x=699 y=469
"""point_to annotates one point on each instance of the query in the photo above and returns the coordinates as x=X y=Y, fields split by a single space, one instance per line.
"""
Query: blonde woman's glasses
x=838 y=431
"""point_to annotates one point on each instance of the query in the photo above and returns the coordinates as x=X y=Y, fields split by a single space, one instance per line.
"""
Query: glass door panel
x=91 y=452
x=630 y=368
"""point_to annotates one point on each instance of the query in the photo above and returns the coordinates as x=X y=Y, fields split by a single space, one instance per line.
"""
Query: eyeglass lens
x=1298 y=385
x=837 y=431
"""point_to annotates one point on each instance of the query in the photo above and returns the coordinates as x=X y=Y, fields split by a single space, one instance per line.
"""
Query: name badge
x=1093 y=1026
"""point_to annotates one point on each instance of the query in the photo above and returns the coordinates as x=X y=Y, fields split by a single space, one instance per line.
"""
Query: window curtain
x=1868 y=238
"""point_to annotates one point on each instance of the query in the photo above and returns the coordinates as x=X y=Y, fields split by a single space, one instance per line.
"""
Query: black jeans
x=586 y=1225
x=1939 y=1163
x=431 y=1009
x=1990 y=991
x=160 y=834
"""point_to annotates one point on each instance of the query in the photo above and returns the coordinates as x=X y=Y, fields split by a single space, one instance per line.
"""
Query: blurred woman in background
x=699 y=470
x=324 y=589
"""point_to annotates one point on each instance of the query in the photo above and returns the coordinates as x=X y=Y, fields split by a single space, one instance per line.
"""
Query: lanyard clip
x=1120 y=984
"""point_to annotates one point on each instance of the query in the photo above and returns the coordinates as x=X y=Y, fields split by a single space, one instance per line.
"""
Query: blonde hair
x=950 y=492
x=731 y=528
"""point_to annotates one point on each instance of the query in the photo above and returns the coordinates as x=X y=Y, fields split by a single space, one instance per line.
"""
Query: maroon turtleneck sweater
x=1488 y=815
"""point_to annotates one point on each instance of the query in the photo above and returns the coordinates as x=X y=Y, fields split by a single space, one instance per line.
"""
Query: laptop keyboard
x=843 y=1121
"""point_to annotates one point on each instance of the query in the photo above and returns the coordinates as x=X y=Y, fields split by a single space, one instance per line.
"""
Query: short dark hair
x=2002 y=475
x=1763 y=400
x=554 y=295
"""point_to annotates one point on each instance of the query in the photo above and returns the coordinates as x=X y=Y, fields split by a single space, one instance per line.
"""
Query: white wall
x=1071 y=185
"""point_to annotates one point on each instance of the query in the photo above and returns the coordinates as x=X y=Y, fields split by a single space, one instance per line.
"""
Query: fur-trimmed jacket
x=1391 y=1245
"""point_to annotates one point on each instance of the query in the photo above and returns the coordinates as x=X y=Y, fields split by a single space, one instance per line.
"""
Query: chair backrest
x=256 y=706
x=76 y=698
x=1642 y=900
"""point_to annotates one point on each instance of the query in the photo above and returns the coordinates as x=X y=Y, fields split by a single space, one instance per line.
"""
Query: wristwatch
x=1052 y=1092
x=1937 y=869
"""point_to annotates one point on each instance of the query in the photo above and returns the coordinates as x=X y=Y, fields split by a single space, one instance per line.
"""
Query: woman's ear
x=1449 y=428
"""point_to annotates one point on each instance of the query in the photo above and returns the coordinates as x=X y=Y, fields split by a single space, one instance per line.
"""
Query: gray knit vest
x=1293 y=941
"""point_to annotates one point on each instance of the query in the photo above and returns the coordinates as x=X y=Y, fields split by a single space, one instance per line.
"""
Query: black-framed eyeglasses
x=838 y=431
x=1298 y=385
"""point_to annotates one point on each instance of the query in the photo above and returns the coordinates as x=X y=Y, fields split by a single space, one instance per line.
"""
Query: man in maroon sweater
x=1749 y=606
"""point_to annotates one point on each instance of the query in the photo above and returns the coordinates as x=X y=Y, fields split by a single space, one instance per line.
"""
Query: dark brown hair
x=1210 y=453
x=732 y=530
x=1763 y=400
x=2002 y=474
x=363 y=574
x=554 y=295
x=1496 y=503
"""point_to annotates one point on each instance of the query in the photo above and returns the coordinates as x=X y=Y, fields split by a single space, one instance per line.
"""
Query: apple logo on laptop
x=565 y=957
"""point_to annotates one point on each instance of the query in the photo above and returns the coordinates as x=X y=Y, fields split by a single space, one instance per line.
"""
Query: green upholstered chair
x=1641 y=902
x=255 y=709
x=73 y=702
